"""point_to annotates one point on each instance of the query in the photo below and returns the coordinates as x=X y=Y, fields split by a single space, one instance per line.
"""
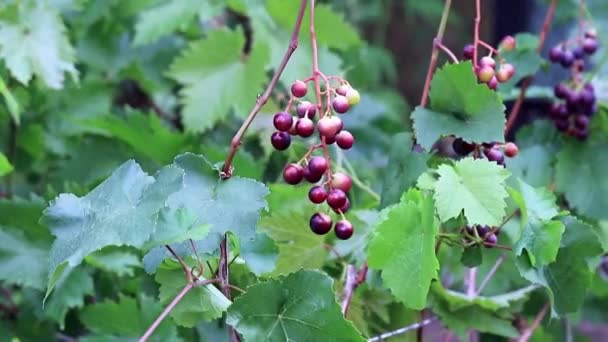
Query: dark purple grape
x=590 y=45
x=305 y=127
x=573 y=101
x=581 y=122
x=482 y=230
x=340 y=104
x=578 y=52
x=280 y=140
x=345 y=140
x=293 y=173
x=582 y=133
x=562 y=124
x=317 y=194
x=320 y=223
x=589 y=87
x=344 y=208
x=567 y=59
x=344 y=229
x=559 y=111
x=310 y=177
x=561 y=91
x=495 y=155
x=306 y=108
x=490 y=241
x=468 y=51
x=336 y=198
x=587 y=98
x=462 y=147
x=282 y=121
x=555 y=54
x=318 y=165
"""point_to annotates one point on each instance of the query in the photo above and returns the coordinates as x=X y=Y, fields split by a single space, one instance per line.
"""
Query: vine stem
x=224 y=280
x=471 y=276
x=525 y=336
x=435 y=52
x=476 y=31
x=403 y=330
x=261 y=101
x=353 y=280
x=172 y=305
x=516 y=109
x=490 y=274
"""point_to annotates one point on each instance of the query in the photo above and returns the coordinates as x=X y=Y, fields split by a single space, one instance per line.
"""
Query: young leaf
x=540 y=235
x=298 y=307
x=475 y=186
x=459 y=106
x=23 y=261
x=217 y=63
x=580 y=175
x=403 y=247
x=36 y=43
x=202 y=303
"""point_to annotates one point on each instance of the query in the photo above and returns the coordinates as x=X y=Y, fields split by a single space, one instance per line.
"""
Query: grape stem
x=528 y=80
x=403 y=330
x=490 y=274
x=446 y=50
x=236 y=141
x=476 y=31
x=353 y=280
x=435 y=52
x=525 y=336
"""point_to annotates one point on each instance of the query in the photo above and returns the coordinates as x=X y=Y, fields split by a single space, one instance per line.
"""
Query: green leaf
x=568 y=277
x=475 y=186
x=471 y=256
x=524 y=58
x=404 y=168
x=459 y=106
x=580 y=173
x=5 y=165
x=260 y=254
x=298 y=307
x=120 y=211
x=288 y=226
x=116 y=260
x=216 y=63
x=540 y=235
x=125 y=318
x=25 y=215
x=70 y=290
x=11 y=104
x=403 y=248
x=35 y=43
x=23 y=261
x=534 y=162
x=202 y=303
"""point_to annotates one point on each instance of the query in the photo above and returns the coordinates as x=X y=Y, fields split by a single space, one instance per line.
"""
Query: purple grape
x=336 y=198
x=344 y=229
x=590 y=45
x=587 y=98
x=318 y=165
x=306 y=108
x=280 y=140
x=462 y=147
x=345 y=140
x=468 y=52
x=555 y=54
x=495 y=155
x=340 y=104
x=320 y=223
x=559 y=111
x=305 y=127
x=561 y=91
x=578 y=52
x=581 y=122
x=482 y=230
x=310 y=177
x=567 y=59
x=562 y=124
x=293 y=174
x=282 y=121
x=317 y=194
x=490 y=241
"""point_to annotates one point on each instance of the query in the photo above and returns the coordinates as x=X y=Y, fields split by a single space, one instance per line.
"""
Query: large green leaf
x=23 y=261
x=540 y=235
x=459 y=106
x=34 y=42
x=70 y=290
x=403 y=248
x=404 y=168
x=475 y=186
x=298 y=307
x=126 y=318
x=117 y=260
x=202 y=303
x=5 y=165
x=580 y=174
x=260 y=254
x=218 y=78
x=568 y=277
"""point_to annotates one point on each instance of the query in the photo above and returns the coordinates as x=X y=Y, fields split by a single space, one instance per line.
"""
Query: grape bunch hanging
x=328 y=186
x=577 y=104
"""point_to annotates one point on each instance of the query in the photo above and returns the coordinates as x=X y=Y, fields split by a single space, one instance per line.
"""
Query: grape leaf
x=403 y=248
x=475 y=186
x=260 y=254
x=11 y=104
x=70 y=289
x=217 y=63
x=35 y=43
x=120 y=211
x=534 y=162
x=404 y=168
x=298 y=307
x=202 y=303
x=288 y=226
x=364 y=222
x=23 y=261
x=580 y=173
x=125 y=318
x=25 y=215
x=568 y=277
x=540 y=235
x=459 y=106
x=5 y=165
x=119 y=261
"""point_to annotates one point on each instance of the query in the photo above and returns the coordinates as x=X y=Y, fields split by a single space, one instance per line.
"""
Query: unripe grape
x=511 y=149
x=353 y=96
x=280 y=140
x=344 y=229
x=299 y=89
x=505 y=72
x=343 y=89
x=320 y=223
x=508 y=43
x=341 y=181
x=493 y=84
x=487 y=61
x=485 y=74
x=293 y=173
x=345 y=140
x=340 y=104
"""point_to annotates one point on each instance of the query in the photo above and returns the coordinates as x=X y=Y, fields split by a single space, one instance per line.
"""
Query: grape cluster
x=329 y=187
x=486 y=233
x=486 y=69
x=577 y=100
x=492 y=151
